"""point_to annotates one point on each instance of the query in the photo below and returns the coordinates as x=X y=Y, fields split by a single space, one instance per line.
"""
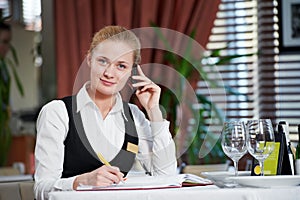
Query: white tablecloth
x=186 y=193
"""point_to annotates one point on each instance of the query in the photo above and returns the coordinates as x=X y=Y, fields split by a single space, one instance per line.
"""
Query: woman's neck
x=103 y=102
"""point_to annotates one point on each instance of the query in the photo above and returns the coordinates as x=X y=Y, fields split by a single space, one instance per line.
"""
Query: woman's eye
x=120 y=66
x=102 y=62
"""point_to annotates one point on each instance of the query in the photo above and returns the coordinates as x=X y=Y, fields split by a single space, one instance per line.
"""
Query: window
x=32 y=14
x=235 y=32
x=267 y=82
x=28 y=12
x=5 y=9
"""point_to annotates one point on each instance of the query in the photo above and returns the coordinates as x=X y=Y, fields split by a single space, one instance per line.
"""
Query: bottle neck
x=285 y=129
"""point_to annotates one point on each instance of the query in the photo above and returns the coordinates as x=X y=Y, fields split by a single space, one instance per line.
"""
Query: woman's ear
x=89 y=59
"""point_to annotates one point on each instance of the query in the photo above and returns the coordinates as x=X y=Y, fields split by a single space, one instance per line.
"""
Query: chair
x=14 y=185
x=17 y=190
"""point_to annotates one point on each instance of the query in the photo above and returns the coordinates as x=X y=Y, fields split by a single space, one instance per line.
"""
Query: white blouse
x=156 y=149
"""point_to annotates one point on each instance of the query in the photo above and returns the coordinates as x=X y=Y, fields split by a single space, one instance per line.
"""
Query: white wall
x=28 y=73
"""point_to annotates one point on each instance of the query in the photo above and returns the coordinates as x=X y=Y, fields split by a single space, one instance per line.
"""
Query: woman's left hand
x=148 y=93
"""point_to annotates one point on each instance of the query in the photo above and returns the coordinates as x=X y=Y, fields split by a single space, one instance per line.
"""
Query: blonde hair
x=121 y=34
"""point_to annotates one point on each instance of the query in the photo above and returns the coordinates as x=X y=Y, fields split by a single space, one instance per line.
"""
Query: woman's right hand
x=103 y=176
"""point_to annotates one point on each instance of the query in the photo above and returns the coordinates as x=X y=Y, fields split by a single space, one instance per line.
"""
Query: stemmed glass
x=260 y=140
x=234 y=141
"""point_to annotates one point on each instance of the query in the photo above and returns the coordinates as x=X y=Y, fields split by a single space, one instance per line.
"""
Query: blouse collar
x=83 y=99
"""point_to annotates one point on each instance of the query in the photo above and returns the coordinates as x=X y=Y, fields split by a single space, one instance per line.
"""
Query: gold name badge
x=132 y=147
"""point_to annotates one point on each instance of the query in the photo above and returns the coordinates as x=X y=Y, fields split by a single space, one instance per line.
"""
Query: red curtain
x=77 y=20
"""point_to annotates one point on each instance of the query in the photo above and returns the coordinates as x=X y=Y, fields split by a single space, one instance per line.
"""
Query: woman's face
x=111 y=64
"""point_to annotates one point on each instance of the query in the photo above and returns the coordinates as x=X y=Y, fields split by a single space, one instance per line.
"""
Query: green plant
x=7 y=72
x=187 y=66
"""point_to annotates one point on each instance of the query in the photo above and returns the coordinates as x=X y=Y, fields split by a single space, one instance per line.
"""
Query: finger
x=116 y=171
x=140 y=81
x=116 y=168
x=110 y=177
x=151 y=87
x=104 y=181
x=120 y=176
x=107 y=174
x=101 y=179
x=140 y=70
x=140 y=78
x=143 y=83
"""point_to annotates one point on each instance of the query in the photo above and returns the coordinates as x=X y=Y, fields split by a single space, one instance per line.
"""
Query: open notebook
x=152 y=182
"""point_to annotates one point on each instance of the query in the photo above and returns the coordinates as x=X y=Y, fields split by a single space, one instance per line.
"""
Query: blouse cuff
x=65 y=184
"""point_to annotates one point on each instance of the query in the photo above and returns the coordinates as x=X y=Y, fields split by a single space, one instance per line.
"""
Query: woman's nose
x=109 y=69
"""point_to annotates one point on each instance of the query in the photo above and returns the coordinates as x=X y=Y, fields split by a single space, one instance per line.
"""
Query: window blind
x=235 y=33
x=265 y=84
x=288 y=91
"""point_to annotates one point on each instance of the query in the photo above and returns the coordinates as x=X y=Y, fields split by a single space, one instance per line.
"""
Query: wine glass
x=234 y=141
x=260 y=140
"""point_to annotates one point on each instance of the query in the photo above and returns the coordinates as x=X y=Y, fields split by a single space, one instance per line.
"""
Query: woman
x=73 y=131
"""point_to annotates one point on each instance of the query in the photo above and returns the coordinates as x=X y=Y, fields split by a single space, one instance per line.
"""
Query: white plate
x=267 y=181
x=221 y=175
x=220 y=178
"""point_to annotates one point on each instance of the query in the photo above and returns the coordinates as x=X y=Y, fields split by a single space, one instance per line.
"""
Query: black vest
x=79 y=156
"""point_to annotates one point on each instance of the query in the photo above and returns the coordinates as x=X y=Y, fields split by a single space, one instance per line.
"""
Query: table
x=186 y=193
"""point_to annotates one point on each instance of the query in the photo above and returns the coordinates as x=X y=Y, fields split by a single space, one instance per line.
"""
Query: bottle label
x=271 y=163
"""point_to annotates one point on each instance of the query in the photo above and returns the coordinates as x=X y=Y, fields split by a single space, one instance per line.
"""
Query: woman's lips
x=106 y=83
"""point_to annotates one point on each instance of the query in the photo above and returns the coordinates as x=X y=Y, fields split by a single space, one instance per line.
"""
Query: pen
x=105 y=162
